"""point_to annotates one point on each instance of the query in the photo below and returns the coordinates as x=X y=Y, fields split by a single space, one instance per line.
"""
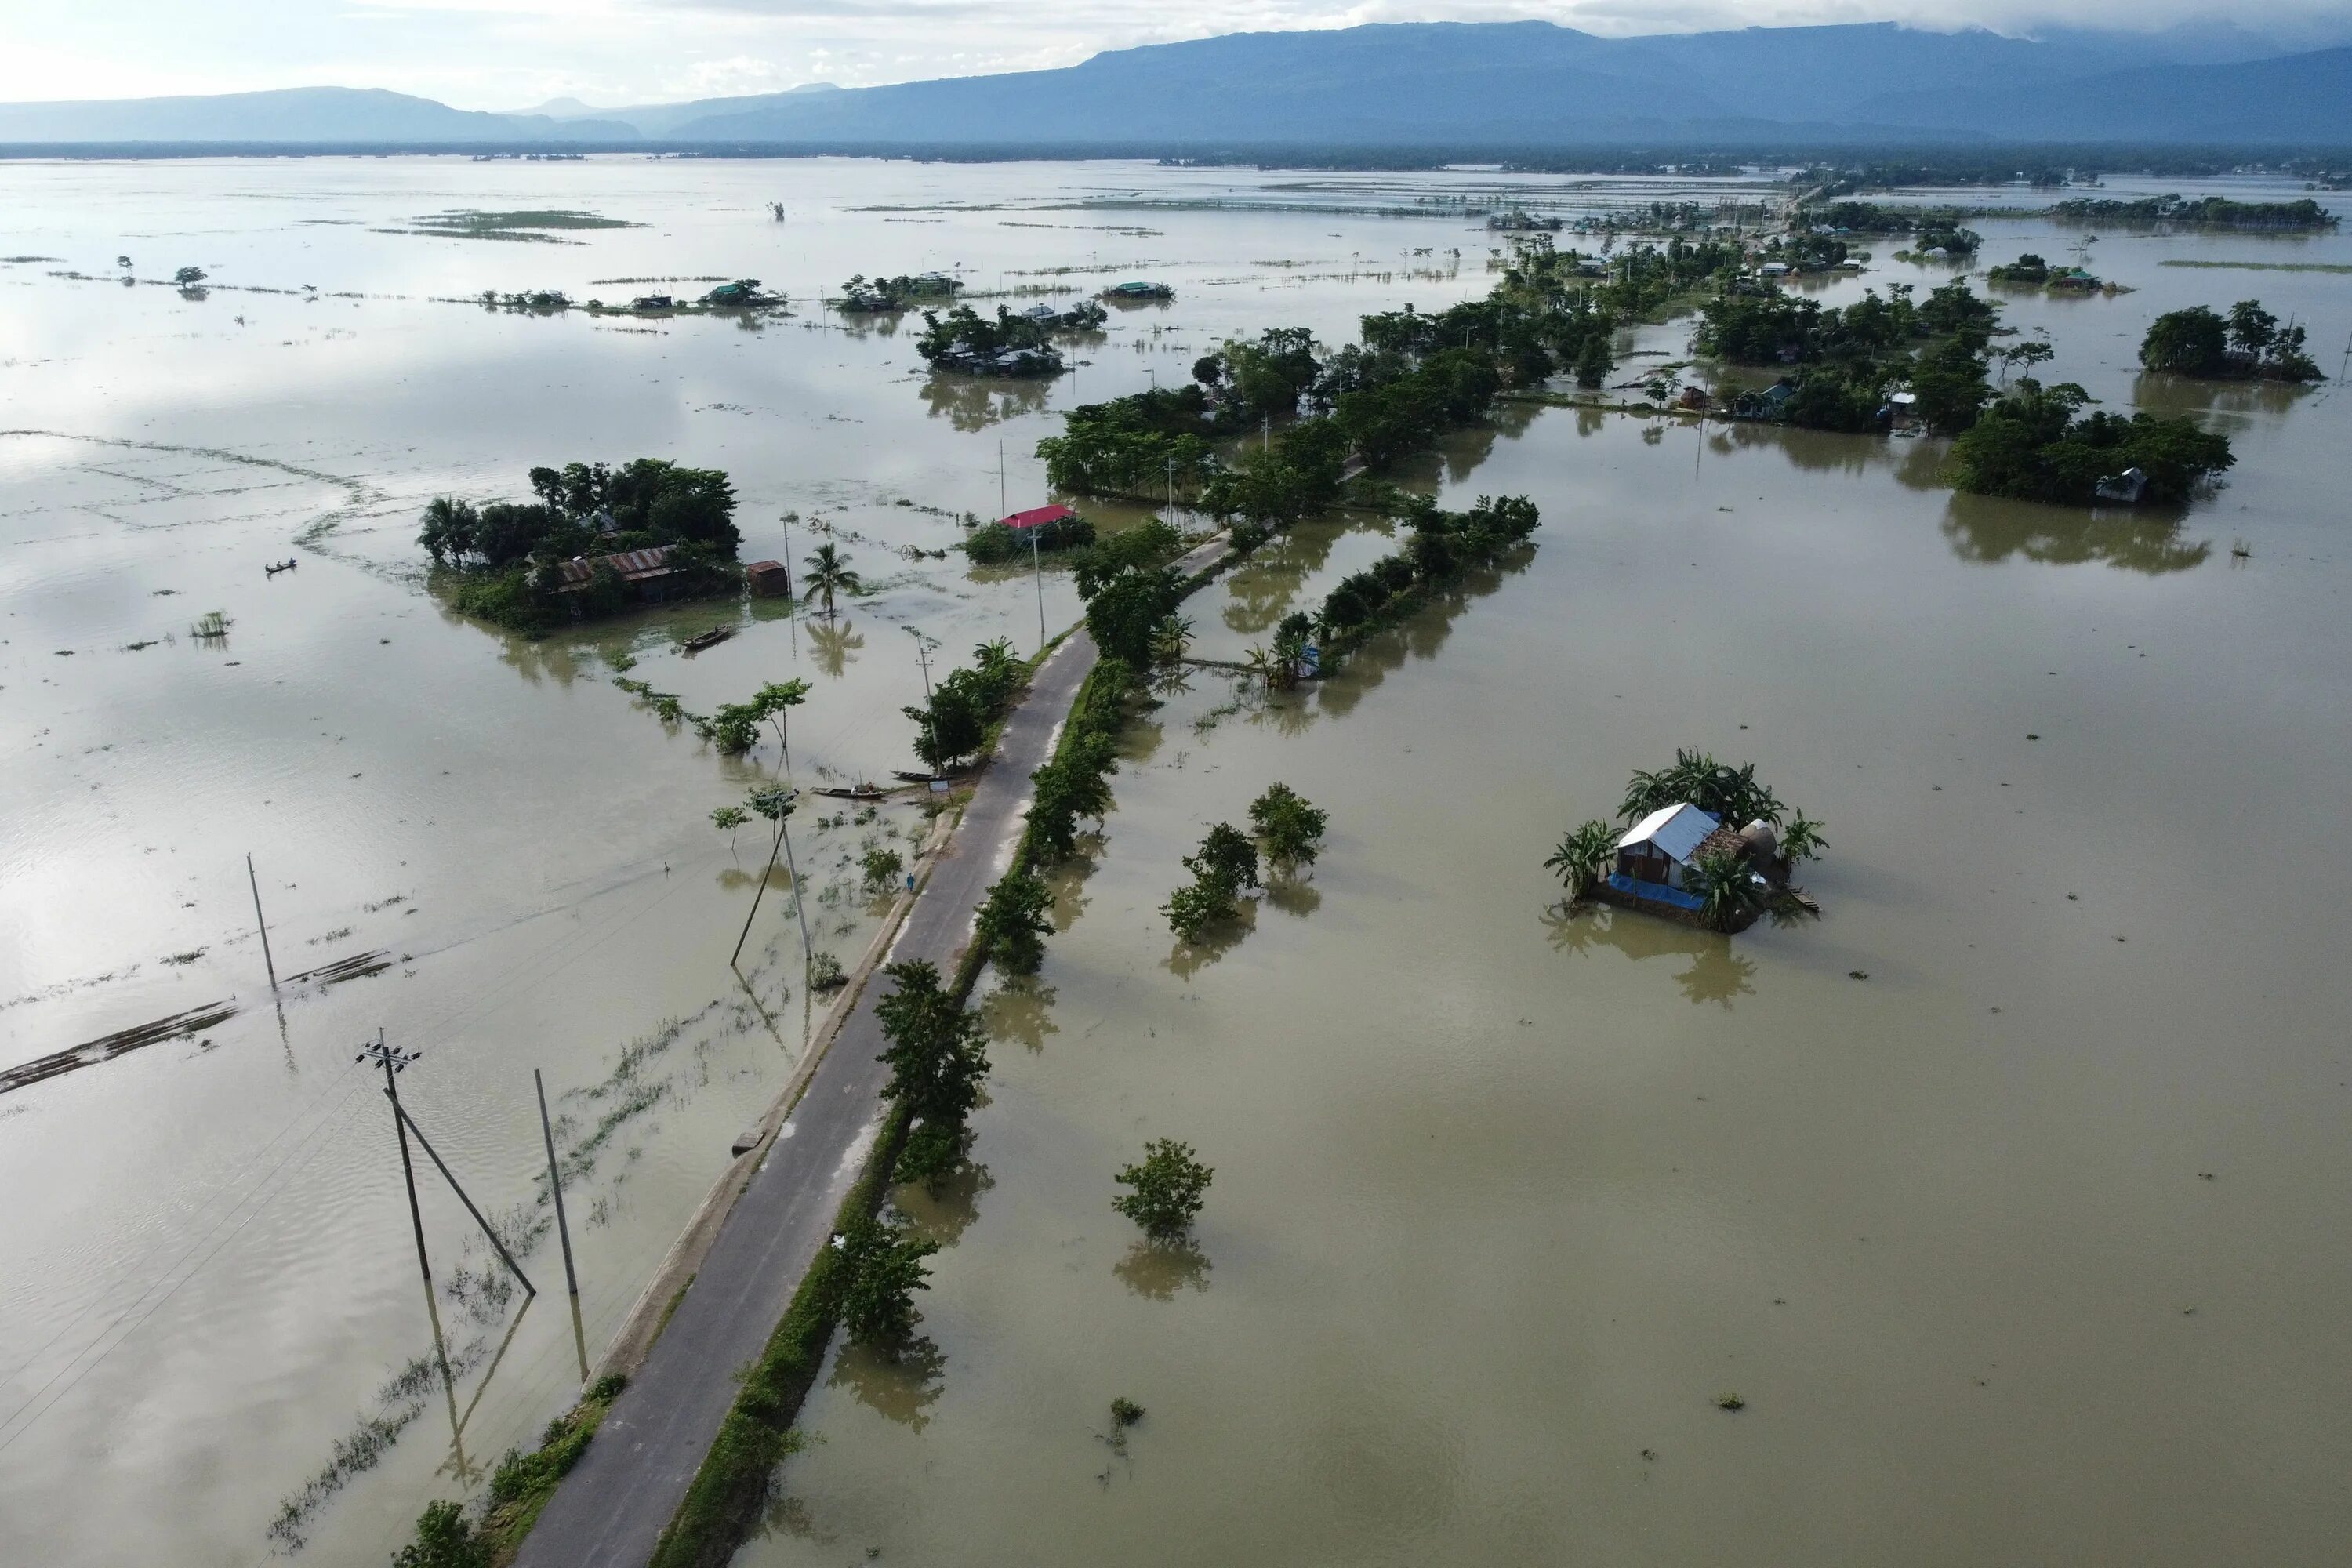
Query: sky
x=511 y=54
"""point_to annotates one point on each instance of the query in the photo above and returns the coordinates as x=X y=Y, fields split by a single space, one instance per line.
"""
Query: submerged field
x=2002 y=1195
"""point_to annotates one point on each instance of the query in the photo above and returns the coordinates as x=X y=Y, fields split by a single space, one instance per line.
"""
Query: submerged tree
x=1170 y=1187
x=1289 y=829
x=828 y=574
x=1013 y=925
x=937 y=1056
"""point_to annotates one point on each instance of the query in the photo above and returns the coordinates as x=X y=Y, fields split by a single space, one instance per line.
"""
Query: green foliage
x=1442 y=545
x=1170 y=1187
x=1125 y=1412
x=881 y=1269
x=2211 y=211
x=938 y=1057
x=444 y=1539
x=1949 y=380
x=1131 y=446
x=2033 y=445
x=1729 y=795
x=1802 y=838
x=1191 y=911
x=1134 y=549
x=1072 y=784
x=1583 y=855
x=955 y=723
x=993 y=543
x=1226 y=857
x=728 y=818
x=1010 y=345
x=734 y=728
x=1288 y=828
x=2247 y=342
x=1729 y=894
x=1012 y=924
x=1125 y=612
x=880 y=868
x=828 y=574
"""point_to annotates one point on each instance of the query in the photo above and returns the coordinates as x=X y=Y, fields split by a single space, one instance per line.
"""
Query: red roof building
x=1038 y=516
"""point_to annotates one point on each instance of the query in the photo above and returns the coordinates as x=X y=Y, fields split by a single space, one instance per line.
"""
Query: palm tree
x=1802 y=839
x=1582 y=855
x=828 y=574
x=1171 y=637
x=1262 y=666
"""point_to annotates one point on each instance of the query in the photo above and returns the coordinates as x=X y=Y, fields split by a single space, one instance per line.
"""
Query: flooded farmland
x=2006 y=1196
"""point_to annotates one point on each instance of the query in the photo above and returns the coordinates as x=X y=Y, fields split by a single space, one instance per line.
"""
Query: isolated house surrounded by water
x=1656 y=853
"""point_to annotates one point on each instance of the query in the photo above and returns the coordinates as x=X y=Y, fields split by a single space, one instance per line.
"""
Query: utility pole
x=1037 y=570
x=1001 y=511
x=800 y=905
x=269 y=963
x=555 y=1184
x=394 y=1062
x=923 y=646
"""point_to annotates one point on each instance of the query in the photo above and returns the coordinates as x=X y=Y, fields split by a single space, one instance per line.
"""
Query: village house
x=646 y=573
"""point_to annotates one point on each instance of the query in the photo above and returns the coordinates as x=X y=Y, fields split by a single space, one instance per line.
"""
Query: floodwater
x=2022 y=1246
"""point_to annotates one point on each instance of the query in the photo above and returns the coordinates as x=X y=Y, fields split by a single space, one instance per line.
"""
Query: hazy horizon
x=510 y=54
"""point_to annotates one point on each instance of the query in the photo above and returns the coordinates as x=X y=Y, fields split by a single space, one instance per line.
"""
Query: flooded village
x=1258 y=865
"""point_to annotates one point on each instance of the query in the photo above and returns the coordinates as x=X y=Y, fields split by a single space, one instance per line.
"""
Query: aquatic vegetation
x=210 y=626
x=1583 y=857
x=825 y=973
x=1171 y=1185
x=1730 y=1402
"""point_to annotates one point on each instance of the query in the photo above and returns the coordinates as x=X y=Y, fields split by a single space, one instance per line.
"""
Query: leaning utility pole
x=555 y=1184
x=268 y=961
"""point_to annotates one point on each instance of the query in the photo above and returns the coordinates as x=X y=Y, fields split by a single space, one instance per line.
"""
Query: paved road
x=613 y=1506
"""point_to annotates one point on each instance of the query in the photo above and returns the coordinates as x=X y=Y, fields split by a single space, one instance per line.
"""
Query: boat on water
x=863 y=792
x=710 y=639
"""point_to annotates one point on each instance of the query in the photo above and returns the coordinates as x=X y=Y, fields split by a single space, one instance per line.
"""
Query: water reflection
x=943 y=1210
x=1989 y=529
x=2176 y=394
x=1158 y=1270
x=972 y=403
x=899 y=1385
x=1186 y=959
x=833 y=645
x=1265 y=588
x=1293 y=896
x=1420 y=638
x=1021 y=1012
x=1715 y=974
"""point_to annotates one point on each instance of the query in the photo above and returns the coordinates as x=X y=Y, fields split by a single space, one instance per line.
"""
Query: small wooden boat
x=912 y=778
x=710 y=639
x=288 y=565
x=863 y=792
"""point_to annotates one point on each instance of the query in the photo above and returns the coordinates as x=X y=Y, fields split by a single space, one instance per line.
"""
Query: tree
x=1171 y=1185
x=828 y=574
x=188 y=276
x=880 y=868
x=937 y=1056
x=1192 y=909
x=1225 y=857
x=1012 y=925
x=881 y=1269
x=1582 y=856
x=2252 y=330
x=444 y=1539
x=2028 y=352
x=1949 y=380
x=952 y=726
x=1289 y=829
x=449 y=529
x=727 y=819
x=2194 y=341
x=1125 y=613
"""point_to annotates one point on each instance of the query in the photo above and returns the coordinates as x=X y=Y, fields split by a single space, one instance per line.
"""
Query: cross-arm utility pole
x=392 y=1062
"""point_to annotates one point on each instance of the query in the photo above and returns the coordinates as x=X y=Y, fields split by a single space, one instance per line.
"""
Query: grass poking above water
x=2266 y=265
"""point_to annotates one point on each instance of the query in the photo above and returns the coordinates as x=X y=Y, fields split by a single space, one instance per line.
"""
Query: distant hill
x=1527 y=83
x=342 y=114
x=1493 y=84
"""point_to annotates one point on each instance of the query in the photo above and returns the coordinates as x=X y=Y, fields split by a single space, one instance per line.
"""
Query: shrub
x=1226 y=858
x=1289 y=829
x=1170 y=1187
x=881 y=868
x=1192 y=909
x=444 y=1539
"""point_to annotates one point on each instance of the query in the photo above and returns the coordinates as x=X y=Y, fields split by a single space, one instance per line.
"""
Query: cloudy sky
x=507 y=54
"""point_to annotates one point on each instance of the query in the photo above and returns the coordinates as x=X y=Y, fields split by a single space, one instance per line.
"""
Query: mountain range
x=1497 y=84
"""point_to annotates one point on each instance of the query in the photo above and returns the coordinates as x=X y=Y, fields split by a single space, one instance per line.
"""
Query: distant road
x=616 y=1501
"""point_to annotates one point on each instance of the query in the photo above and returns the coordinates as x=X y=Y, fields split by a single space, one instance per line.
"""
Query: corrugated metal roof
x=1038 y=515
x=630 y=564
x=1676 y=830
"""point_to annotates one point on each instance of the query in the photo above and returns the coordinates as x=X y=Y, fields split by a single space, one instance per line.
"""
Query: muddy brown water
x=1503 y=1199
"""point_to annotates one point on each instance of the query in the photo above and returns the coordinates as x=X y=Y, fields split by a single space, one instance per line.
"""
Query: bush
x=1192 y=909
x=881 y=868
x=1170 y=1186
x=1288 y=828
x=1226 y=858
x=444 y=1539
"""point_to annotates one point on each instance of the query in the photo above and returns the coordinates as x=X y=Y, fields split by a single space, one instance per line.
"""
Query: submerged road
x=616 y=1501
